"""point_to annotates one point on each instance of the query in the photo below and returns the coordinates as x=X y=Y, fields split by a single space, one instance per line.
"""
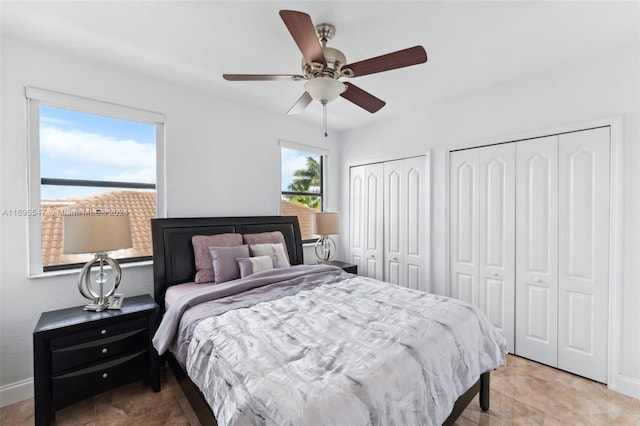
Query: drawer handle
x=103 y=331
x=104 y=350
x=105 y=375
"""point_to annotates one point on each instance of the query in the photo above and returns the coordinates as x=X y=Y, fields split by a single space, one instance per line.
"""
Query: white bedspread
x=391 y=356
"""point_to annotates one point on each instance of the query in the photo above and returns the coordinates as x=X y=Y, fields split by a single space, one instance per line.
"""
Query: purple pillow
x=225 y=267
x=204 y=263
x=251 y=265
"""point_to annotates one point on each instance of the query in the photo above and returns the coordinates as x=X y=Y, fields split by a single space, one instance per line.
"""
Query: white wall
x=603 y=86
x=221 y=159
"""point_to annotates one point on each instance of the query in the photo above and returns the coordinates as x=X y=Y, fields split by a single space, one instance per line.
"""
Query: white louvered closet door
x=537 y=249
x=496 y=282
x=584 y=162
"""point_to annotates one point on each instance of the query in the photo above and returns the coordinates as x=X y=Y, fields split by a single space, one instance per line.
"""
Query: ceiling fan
x=323 y=66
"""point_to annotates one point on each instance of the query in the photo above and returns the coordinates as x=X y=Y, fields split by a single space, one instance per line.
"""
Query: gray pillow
x=251 y=265
x=275 y=250
x=225 y=267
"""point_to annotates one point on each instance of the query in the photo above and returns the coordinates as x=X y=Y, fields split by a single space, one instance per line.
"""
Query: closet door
x=404 y=222
x=584 y=252
x=395 y=224
x=537 y=249
x=415 y=250
x=373 y=220
x=464 y=223
x=356 y=217
x=496 y=194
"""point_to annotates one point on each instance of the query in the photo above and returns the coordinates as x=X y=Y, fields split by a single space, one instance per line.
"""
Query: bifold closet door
x=584 y=163
x=482 y=236
x=404 y=222
x=366 y=189
x=537 y=249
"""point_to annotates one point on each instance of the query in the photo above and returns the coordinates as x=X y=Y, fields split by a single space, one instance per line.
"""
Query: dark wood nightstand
x=77 y=354
x=347 y=267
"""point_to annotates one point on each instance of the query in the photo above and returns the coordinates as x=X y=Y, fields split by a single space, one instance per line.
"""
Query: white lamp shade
x=324 y=89
x=96 y=234
x=327 y=223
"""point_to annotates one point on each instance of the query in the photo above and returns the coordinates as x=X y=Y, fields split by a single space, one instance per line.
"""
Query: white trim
x=302 y=147
x=615 y=380
x=627 y=385
x=385 y=159
x=16 y=392
x=63 y=100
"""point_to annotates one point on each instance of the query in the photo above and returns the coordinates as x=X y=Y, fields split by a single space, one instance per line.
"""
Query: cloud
x=88 y=150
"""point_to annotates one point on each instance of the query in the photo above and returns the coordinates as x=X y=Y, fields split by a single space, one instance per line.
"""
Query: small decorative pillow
x=204 y=263
x=225 y=267
x=251 y=265
x=274 y=237
x=276 y=250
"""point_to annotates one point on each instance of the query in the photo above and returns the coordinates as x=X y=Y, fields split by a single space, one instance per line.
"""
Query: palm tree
x=305 y=179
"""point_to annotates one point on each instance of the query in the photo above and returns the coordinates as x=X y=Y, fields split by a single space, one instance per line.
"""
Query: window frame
x=36 y=97
x=324 y=161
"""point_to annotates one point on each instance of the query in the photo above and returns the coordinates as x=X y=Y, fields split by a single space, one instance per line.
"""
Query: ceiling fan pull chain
x=324 y=117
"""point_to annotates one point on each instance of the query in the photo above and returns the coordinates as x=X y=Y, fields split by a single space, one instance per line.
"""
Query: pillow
x=251 y=265
x=276 y=250
x=225 y=267
x=204 y=263
x=274 y=237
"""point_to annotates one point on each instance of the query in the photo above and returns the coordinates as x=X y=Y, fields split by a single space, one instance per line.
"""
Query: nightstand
x=77 y=354
x=347 y=267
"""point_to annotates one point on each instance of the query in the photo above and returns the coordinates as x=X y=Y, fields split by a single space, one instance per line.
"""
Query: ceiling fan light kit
x=323 y=66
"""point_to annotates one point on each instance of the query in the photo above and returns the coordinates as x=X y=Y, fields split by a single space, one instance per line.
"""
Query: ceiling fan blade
x=303 y=32
x=402 y=58
x=262 y=77
x=300 y=104
x=362 y=98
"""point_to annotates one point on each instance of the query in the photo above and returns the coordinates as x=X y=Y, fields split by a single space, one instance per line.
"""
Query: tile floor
x=522 y=393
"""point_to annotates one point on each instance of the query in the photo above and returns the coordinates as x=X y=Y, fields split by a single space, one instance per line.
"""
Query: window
x=302 y=184
x=88 y=157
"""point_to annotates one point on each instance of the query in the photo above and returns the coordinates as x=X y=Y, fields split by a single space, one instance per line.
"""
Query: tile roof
x=304 y=217
x=141 y=206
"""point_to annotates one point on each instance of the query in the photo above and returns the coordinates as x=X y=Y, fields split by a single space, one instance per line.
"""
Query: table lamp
x=325 y=224
x=97 y=234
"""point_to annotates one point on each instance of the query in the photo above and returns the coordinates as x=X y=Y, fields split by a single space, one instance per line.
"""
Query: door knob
x=495 y=274
x=373 y=256
x=395 y=259
x=537 y=280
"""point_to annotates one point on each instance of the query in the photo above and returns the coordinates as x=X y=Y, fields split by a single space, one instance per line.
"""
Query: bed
x=214 y=360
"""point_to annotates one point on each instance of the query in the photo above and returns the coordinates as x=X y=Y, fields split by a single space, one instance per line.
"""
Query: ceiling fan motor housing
x=335 y=60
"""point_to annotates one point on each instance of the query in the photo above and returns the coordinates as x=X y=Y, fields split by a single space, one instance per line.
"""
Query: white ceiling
x=471 y=45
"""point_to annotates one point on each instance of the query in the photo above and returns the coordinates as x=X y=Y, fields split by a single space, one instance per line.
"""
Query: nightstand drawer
x=99 y=376
x=97 y=350
x=98 y=332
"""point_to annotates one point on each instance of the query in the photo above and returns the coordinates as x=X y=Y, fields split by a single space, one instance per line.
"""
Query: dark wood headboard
x=173 y=260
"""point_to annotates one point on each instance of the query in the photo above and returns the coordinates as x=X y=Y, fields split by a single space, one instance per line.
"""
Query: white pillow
x=276 y=250
x=251 y=265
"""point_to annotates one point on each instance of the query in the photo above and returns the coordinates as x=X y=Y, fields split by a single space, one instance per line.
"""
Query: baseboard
x=627 y=385
x=16 y=392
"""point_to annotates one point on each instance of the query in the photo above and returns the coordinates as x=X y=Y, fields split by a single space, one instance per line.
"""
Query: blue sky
x=293 y=160
x=76 y=145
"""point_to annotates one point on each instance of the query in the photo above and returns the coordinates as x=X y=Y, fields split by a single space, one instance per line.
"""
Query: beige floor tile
x=522 y=393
